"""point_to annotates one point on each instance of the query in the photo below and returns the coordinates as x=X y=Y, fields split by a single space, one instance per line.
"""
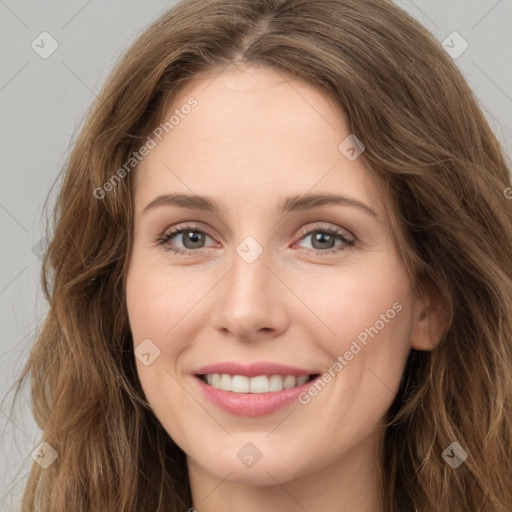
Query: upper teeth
x=260 y=384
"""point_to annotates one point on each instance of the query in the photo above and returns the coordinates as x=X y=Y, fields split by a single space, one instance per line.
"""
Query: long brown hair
x=444 y=177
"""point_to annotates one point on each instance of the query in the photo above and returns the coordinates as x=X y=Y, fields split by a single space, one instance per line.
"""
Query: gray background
x=42 y=102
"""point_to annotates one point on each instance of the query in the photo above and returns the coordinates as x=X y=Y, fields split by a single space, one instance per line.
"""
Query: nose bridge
x=249 y=300
x=249 y=281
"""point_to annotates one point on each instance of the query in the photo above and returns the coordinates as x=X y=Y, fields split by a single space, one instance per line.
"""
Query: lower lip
x=252 y=404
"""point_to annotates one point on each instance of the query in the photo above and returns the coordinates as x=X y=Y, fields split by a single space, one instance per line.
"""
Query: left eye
x=323 y=239
x=193 y=239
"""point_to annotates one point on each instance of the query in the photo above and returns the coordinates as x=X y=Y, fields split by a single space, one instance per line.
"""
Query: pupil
x=319 y=237
x=195 y=238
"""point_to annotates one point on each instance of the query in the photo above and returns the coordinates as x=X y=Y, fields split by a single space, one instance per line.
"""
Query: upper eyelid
x=306 y=230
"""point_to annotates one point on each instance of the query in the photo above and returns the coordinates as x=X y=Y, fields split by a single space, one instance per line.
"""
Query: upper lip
x=252 y=369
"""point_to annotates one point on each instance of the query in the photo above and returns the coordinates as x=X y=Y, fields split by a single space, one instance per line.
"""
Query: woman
x=196 y=355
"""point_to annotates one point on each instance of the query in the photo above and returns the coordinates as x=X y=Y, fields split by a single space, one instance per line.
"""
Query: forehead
x=253 y=131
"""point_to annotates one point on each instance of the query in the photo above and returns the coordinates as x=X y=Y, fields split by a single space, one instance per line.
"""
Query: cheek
x=362 y=304
x=157 y=300
x=164 y=307
x=154 y=308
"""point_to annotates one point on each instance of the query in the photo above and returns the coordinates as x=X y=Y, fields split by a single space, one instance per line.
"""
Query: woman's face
x=278 y=283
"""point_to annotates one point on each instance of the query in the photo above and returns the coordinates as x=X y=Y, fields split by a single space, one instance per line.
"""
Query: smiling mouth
x=256 y=385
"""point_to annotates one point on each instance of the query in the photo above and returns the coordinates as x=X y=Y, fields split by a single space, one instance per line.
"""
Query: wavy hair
x=445 y=179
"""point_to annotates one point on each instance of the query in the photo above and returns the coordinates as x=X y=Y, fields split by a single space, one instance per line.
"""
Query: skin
x=255 y=138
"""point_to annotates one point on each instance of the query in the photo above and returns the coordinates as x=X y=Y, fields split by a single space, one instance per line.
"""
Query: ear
x=431 y=319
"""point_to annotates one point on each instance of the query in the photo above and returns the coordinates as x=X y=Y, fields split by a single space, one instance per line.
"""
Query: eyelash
x=164 y=239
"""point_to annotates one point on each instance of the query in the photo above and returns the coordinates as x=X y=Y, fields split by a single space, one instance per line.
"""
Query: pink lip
x=253 y=369
x=252 y=404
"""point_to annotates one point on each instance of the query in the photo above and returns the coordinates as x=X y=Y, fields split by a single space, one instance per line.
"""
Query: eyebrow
x=290 y=204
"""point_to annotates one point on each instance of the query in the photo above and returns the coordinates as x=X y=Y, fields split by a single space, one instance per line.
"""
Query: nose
x=250 y=301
